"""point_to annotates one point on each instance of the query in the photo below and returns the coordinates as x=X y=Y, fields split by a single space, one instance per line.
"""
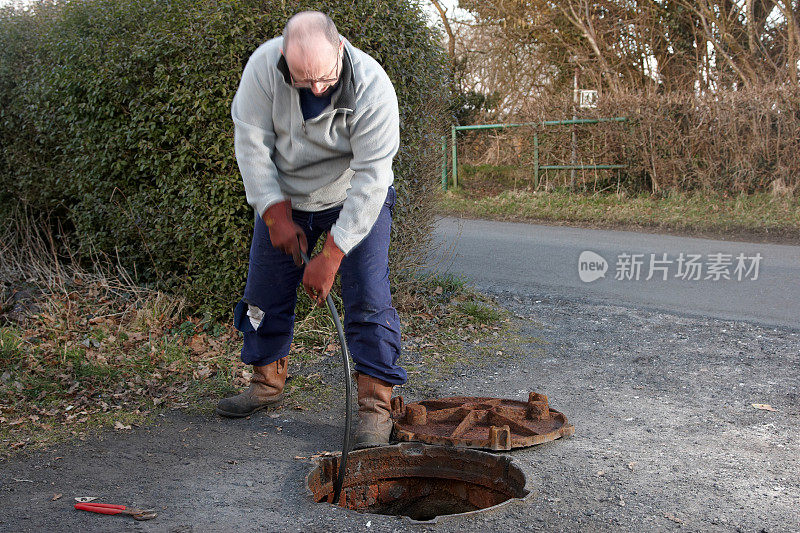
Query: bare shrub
x=732 y=141
x=37 y=260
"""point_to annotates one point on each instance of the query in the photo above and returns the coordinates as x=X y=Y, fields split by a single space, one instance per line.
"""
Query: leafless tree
x=655 y=45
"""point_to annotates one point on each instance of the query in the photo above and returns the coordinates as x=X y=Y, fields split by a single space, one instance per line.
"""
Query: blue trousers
x=371 y=324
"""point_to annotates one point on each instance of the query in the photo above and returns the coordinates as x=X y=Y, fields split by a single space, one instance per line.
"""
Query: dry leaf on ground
x=764 y=407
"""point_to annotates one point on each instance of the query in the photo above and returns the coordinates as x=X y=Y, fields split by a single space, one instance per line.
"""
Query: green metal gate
x=537 y=167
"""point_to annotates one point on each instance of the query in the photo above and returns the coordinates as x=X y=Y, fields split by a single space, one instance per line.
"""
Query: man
x=316 y=128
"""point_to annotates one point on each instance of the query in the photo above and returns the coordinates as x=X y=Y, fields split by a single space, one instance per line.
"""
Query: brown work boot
x=266 y=388
x=374 y=412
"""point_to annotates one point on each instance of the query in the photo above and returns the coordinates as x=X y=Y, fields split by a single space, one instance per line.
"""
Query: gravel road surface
x=667 y=438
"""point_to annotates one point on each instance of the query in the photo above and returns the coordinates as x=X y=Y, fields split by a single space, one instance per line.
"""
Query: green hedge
x=115 y=121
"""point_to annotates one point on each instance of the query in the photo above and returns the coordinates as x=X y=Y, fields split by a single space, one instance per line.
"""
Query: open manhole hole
x=419 y=481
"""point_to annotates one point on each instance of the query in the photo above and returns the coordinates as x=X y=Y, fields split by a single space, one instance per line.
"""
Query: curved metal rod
x=337 y=487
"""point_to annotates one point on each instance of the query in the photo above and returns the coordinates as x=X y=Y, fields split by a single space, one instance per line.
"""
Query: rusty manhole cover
x=419 y=481
x=489 y=423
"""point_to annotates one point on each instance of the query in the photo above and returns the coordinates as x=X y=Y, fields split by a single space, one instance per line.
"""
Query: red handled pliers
x=110 y=508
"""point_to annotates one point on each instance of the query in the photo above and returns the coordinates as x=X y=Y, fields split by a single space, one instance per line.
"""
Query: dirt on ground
x=667 y=438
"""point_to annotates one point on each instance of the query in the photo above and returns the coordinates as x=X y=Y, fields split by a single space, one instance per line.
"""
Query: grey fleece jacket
x=341 y=157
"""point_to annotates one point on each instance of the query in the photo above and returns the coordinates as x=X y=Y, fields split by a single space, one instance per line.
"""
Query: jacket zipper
x=300 y=108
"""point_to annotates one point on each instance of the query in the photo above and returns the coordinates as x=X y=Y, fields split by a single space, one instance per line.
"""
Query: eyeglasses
x=329 y=80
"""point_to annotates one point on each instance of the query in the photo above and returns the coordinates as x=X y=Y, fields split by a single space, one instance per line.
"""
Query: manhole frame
x=417 y=448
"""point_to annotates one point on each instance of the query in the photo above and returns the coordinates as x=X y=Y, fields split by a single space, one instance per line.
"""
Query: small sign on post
x=586 y=98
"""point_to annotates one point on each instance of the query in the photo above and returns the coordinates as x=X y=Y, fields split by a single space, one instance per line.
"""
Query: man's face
x=315 y=65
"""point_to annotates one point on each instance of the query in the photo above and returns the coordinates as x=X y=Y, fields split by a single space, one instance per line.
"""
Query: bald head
x=309 y=29
x=312 y=51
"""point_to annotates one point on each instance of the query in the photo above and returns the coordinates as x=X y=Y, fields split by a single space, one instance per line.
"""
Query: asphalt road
x=672 y=432
x=666 y=439
x=528 y=257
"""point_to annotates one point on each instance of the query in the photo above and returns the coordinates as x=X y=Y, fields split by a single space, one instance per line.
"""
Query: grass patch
x=494 y=178
x=481 y=314
x=454 y=320
x=450 y=283
x=308 y=391
x=756 y=215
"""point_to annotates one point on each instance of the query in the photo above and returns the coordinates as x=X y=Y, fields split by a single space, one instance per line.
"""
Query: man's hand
x=283 y=232
x=321 y=270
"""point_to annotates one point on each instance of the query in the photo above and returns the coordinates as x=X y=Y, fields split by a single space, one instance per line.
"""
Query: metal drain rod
x=348 y=387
